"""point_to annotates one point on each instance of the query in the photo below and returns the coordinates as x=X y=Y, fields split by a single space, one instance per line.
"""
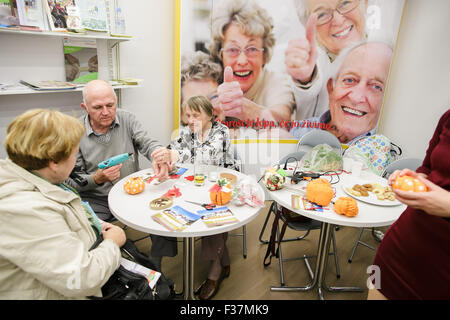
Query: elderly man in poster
x=330 y=27
x=356 y=87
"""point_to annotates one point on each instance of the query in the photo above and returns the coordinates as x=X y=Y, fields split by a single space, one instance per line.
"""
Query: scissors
x=207 y=206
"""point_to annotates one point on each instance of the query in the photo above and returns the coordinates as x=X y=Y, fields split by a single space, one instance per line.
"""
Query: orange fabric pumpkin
x=220 y=193
x=134 y=185
x=408 y=183
x=319 y=191
x=346 y=206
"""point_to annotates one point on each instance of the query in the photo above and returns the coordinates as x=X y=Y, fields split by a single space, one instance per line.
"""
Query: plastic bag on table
x=321 y=158
x=246 y=192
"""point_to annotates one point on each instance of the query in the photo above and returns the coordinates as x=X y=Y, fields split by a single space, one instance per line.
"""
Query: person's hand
x=116 y=234
x=399 y=173
x=218 y=112
x=436 y=201
x=301 y=54
x=230 y=96
x=106 y=225
x=161 y=171
x=108 y=174
x=161 y=155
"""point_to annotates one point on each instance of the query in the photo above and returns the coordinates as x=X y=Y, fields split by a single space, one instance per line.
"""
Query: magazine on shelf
x=176 y=218
x=57 y=14
x=152 y=276
x=218 y=217
x=94 y=14
x=80 y=60
x=31 y=14
x=8 y=16
x=49 y=85
x=117 y=25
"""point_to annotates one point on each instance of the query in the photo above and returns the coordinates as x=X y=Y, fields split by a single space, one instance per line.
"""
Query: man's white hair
x=84 y=92
x=339 y=61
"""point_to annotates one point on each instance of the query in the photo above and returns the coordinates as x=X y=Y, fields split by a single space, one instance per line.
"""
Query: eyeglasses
x=234 y=52
x=325 y=15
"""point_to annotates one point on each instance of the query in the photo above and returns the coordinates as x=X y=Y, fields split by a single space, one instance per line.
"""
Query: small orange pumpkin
x=220 y=193
x=319 y=191
x=408 y=183
x=346 y=206
x=134 y=185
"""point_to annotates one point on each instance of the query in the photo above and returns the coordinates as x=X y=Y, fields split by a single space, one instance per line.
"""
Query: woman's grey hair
x=301 y=7
x=252 y=19
x=199 y=66
x=339 y=61
x=200 y=104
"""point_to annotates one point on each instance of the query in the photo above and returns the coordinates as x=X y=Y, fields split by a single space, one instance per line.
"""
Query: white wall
x=419 y=85
x=149 y=56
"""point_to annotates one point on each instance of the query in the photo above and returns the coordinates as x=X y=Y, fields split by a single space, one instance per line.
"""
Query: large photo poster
x=279 y=69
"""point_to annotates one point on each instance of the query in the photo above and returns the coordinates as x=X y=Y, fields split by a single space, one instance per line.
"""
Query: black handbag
x=127 y=285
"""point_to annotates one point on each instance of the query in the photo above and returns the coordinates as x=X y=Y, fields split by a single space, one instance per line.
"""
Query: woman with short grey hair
x=242 y=42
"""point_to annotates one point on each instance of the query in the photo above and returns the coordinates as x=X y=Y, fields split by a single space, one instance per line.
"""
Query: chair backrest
x=404 y=163
x=292 y=156
x=315 y=137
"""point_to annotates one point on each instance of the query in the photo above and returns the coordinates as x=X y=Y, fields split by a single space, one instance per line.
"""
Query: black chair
x=305 y=226
x=297 y=156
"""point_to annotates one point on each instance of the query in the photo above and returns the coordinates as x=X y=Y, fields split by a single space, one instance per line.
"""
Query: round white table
x=370 y=215
x=134 y=211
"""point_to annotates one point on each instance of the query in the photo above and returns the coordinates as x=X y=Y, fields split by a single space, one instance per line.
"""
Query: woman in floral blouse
x=204 y=137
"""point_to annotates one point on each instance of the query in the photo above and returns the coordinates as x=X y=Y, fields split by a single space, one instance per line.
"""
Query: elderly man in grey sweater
x=110 y=132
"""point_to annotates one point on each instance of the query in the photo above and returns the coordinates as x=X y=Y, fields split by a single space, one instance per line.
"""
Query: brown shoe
x=210 y=287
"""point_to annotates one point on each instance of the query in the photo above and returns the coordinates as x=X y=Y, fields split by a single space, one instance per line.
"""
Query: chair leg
x=338 y=272
x=280 y=259
x=244 y=241
x=356 y=244
x=265 y=224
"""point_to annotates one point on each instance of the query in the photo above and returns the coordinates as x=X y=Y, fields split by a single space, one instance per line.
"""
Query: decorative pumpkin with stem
x=134 y=185
x=220 y=193
x=319 y=191
x=408 y=183
x=346 y=206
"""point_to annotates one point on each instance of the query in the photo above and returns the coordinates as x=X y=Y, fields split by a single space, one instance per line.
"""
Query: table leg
x=184 y=273
x=188 y=266
x=327 y=229
x=314 y=277
x=318 y=278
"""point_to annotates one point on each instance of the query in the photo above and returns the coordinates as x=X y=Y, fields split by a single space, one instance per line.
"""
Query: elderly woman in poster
x=242 y=41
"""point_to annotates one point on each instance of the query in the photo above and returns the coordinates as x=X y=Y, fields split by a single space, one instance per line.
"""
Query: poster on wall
x=279 y=69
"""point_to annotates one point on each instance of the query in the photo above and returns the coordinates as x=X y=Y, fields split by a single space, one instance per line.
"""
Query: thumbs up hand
x=230 y=95
x=301 y=54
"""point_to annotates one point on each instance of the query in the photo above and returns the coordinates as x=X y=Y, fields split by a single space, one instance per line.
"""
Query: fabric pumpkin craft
x=346 y=206
x=134 y=185
x=319 y=191
x=220 y=193
x=274 y=180
x=408 y=183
